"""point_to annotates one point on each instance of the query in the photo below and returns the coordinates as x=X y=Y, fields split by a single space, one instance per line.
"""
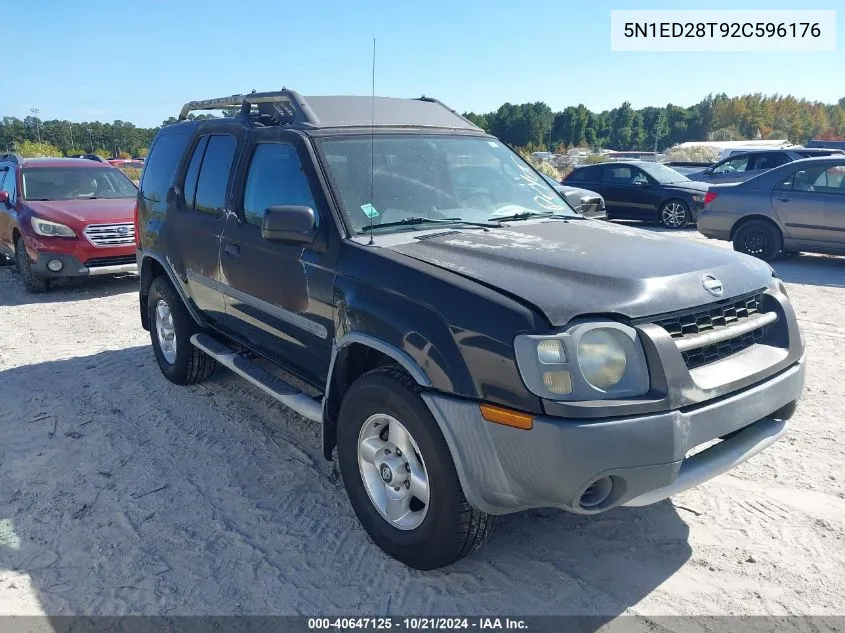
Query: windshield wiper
x=522 y=216
x=415 y=219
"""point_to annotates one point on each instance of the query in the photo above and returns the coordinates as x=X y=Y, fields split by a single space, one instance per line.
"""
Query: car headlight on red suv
x=51 y=229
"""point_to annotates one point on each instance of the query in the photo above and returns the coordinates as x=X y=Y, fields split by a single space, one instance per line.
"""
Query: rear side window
x=586 y=174
x=275 y=178
x=7 y=182
x=189 y=188
x=214 y=174
x=771 y=160
x=161 y=165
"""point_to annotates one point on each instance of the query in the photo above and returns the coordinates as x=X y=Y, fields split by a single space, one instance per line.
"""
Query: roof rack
x=13 y=158
x=284 y=106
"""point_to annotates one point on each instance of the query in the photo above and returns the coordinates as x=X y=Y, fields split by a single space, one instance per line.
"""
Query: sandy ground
x=121 y=493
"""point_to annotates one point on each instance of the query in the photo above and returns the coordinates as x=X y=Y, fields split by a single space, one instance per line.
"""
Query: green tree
x=34 y=149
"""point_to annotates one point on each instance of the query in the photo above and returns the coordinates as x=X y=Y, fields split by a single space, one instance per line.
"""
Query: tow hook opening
x=596 y=494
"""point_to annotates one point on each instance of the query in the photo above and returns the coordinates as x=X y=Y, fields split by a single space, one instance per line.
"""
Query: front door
x=629 y=192
x=279 y=296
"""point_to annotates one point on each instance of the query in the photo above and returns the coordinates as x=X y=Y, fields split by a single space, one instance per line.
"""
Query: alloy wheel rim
x=166 y=331
x=674 y=215
x=393 y=471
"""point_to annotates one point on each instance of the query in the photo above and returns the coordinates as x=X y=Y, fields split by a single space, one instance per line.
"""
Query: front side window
x=731 y=166
x=275 y=178
x=395 y=178
x=74 y=183
x=214 y=174
x=189 y=187
x=621 y=175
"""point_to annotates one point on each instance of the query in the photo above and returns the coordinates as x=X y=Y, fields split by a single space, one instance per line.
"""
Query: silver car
x=742 y=167
x=585 y=202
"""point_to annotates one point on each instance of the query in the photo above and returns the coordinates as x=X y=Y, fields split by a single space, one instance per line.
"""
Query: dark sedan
x=640 y=190
x=799 y=206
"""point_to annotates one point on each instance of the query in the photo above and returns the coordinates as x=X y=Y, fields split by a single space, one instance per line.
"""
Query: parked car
x=584 y=202
x=642 y=190
x=65 y=217
x=799 y=206
x=469 y=345
x=741 y=167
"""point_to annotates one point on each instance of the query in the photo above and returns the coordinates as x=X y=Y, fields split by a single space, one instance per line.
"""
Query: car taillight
x=137 y=232
x=709 y=197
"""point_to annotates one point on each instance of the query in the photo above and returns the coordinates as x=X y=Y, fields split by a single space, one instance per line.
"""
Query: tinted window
x=623 y=175
x=9 y=185
x=770 y=160
x=189 y=188
x=275 y=178
x=214 y=174
x=586 y=174
x=161 y=164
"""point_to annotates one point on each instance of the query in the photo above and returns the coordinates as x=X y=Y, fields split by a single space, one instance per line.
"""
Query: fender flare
x=174 y=281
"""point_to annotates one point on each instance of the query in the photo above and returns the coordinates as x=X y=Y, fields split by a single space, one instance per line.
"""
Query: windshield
x=72 y=183
x=434 y=177
x=663 y=174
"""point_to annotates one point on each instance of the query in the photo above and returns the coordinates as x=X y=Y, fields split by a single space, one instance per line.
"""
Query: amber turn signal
x=508 y=417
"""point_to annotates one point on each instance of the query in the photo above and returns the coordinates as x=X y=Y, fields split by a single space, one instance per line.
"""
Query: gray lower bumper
x=505 y=470
x=72 y=267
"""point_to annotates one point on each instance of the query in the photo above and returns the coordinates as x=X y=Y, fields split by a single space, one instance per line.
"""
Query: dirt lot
x=121 y=493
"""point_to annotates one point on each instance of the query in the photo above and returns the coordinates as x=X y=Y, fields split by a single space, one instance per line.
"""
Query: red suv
x=65 y=217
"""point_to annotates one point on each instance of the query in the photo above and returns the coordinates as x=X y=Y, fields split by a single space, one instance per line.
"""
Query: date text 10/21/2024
x=417 y=624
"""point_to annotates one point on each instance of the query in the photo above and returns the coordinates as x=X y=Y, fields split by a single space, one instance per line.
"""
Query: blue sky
x=139 y=61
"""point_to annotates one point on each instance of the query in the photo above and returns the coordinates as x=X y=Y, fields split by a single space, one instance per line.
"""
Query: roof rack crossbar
x=12 y=158
x=284 y=106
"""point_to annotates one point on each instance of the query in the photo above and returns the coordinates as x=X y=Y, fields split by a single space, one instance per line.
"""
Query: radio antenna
x=372 y=143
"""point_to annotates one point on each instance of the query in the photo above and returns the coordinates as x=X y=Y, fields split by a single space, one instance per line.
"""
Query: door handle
x=784 y=199
x=233 y=250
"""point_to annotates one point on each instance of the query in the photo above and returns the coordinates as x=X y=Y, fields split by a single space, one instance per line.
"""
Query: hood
x=81 y=212
x=692 y=185
x=570 y=268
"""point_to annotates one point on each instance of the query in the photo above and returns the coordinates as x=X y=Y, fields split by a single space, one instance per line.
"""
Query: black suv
x=470 y=345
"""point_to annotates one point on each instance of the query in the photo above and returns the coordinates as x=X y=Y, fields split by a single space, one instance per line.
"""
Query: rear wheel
x=32 y=282
x=759 y=238
x=171 y=328
x=399 y=474
x=674 y=214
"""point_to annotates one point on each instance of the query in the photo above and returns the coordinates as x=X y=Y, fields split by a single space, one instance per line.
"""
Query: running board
x=288 y=395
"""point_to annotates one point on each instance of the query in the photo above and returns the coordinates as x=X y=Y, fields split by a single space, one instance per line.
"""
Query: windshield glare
x=663 y=174
x=438 y=177
x=72 y=183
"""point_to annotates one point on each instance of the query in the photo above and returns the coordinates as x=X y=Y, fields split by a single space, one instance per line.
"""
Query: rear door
x=279 y=296
x=630 y=192
x=197 y=210
x=811 y=205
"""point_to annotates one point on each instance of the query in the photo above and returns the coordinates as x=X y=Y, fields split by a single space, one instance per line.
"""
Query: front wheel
x=759 y=238
x=32 y=282
x=399 y=475
x=674 y=214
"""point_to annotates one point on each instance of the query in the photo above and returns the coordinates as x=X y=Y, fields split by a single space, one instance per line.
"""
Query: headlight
x=589 y=361
x=51 y=229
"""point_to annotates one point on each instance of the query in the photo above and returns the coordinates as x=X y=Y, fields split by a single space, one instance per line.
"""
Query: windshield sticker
x=369 y=210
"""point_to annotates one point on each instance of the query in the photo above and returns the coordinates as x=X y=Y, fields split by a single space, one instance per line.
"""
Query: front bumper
x=504 y=470
x=72 y=267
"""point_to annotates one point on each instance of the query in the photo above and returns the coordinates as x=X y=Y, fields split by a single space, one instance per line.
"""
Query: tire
x=32 y=282
x=186 y=364
x=674 y=215
x=448 y=528
x=758 y=238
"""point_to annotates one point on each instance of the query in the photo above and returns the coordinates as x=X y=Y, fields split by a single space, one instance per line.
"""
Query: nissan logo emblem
x=712 y=285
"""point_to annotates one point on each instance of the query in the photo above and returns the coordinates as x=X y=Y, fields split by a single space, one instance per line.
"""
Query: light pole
x=35 y=112
x=71 y=135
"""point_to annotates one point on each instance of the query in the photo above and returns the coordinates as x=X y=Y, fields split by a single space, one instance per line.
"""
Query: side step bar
x=290 y=396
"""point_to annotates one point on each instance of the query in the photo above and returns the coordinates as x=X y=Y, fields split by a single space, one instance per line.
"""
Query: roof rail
x=283 y=106
x=455 y=112
x=13 y=158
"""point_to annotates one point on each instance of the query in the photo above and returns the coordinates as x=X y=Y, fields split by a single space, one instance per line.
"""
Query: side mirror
x=642 y=183
x=4 y=198
x=289 y=224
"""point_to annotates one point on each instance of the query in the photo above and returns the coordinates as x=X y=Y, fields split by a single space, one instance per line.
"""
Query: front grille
x=120 y=260
x=121 y=234
x=716 y=317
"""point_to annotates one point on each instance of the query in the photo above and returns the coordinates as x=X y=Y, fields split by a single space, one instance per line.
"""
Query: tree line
x=529 y=125
x=717 y=118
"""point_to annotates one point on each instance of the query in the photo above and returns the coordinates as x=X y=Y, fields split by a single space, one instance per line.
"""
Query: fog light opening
x=55 y=265
x=596 y=493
